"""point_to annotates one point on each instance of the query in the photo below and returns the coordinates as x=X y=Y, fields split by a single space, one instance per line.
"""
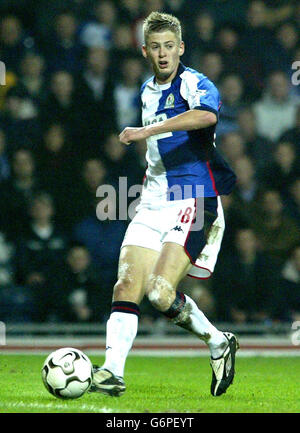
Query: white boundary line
x=82 y=407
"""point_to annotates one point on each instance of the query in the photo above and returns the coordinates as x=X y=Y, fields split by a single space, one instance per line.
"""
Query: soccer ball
x=67 y=373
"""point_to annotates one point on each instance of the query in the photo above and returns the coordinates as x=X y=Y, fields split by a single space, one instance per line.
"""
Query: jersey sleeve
x=200 y=93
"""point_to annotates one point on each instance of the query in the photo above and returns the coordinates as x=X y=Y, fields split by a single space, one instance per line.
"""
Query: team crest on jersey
x=170 y=101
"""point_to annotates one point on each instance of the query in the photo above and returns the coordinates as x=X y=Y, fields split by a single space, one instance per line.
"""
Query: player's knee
x=122 y=290
x=160 y=293
x=156 y=299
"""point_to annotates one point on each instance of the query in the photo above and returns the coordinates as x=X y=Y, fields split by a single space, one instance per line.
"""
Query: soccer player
x=162 y=244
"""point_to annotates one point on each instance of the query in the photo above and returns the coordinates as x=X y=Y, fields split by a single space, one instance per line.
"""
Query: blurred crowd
x=73 y=73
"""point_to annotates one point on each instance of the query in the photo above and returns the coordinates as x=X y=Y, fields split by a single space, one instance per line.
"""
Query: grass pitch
x=159 y=385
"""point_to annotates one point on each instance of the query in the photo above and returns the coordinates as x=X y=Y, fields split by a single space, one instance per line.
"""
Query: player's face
x=163 y=50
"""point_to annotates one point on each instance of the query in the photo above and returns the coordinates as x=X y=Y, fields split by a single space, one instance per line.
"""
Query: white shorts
x=173 y=221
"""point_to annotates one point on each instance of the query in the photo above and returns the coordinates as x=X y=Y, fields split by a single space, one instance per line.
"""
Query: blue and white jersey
x=183 y=157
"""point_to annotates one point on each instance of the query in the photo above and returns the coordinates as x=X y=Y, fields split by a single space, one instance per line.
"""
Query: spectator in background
x=80 y=198
x=17 y=191
x=32 y=77
x=16 y=303
x=39 y=253
x=44 y=16
x=296 y=14
x=212 y=66
x=181 y=9
x=244 y=282
x=280 y=11
x=61 y=104
x=98 y=32
x=126 y=93
x=19 y=120
x=224 y=11
x=257 y=40
x=204 y=30
x=123 y=46
x=288 y=307
x=95 y=99
x=276 y=232
x=56 y=162
x=293 y=200
x=130 y=10
x=248 y=189
x=285 y=167
x=103 y=238
x=13 y=42
x=236 y=218
x=276 y=111
x=287 y=35
x=228 y=47
x=7 y=252
x=233 y=55
x=202 y=37
x=259 y=148
x=63 y=51
x=232 y=146
x=76 y=287
x=115 y=157
x=232 y=88
x=292 y=135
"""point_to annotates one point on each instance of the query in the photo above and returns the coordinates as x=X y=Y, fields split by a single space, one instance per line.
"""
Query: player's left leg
x=172 y=265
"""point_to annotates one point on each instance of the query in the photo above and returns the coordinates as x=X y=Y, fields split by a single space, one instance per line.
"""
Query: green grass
x=160 y=385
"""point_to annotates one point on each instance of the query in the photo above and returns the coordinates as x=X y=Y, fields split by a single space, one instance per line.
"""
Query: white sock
x=121 y=329
x=199 y=324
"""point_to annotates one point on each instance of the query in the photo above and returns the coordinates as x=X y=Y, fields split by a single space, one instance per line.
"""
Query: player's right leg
x=176 y=258
x=135 y=264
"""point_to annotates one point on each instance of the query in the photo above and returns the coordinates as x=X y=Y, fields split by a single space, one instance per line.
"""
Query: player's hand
x=128 y=135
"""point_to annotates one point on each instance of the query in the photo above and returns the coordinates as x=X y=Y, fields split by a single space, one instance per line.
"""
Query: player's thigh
x=135 y=265
x=172 y=265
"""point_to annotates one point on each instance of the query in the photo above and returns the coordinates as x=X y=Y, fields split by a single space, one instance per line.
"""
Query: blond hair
x=161 y=22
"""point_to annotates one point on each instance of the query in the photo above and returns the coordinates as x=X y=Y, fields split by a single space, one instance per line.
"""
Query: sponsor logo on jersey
x=155 y=119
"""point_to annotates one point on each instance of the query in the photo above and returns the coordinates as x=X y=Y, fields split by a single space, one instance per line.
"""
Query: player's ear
x=144 y=51
x=181 y=48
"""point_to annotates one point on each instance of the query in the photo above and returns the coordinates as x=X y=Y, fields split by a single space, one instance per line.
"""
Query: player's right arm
x=203 y=100
x=187 y=121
